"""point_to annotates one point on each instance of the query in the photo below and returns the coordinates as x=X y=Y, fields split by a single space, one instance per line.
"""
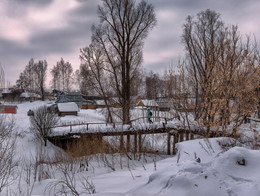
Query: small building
x=8 y=109
x=69 y=108
x=152 y=104
x=7 y=93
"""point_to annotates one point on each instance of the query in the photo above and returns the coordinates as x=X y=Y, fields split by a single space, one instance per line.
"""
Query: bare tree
x=41 y=123
x=33 y=77
x=154 y=85
x=94 y=73
x=40 y=70
x=200 y=38
x=219 y=65
x=26 y=79
x=62 y=76
x=120 y=34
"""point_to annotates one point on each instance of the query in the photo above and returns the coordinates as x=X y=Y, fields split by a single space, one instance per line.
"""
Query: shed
x=69 y=108
x=8 y=109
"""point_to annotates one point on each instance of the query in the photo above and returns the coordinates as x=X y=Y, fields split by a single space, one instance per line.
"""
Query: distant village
x=9 y=97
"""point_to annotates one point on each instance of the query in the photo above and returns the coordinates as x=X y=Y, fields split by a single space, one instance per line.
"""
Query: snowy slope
x=235 y=172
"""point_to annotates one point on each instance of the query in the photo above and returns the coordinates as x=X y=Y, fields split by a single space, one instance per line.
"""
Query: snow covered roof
x=71 y=97
x=68 y=107
x=6 y=90
x=147 y=103
x=28 y=95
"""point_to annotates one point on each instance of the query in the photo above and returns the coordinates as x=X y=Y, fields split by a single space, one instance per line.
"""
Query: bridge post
x=187 y=135
x=127 y=143
x=169 y=144
x=121 y=143
x=135 y=145
x=177 y=137
x=181 y=136
x=175 y=140
x=140 y=142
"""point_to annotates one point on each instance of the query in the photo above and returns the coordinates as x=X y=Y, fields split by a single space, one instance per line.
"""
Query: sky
x=51 y=29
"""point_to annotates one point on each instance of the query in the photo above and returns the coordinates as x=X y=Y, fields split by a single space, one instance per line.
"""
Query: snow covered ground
x=201 y=167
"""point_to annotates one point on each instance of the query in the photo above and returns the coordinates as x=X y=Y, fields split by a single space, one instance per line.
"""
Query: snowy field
x=201 y=167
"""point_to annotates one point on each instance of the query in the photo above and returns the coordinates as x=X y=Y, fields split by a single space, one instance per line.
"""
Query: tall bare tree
x=219 y=64
x=33 y=77
x=200 y=38
x=62 y=76
x=27 y=79
x=123 y=27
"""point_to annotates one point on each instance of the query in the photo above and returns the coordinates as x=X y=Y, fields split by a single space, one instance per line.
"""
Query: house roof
x=6 y=90
x=71 y=97
x=68 y=107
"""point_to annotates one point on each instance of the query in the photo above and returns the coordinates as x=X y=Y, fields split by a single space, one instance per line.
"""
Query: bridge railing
x=132 y=122
x=157 y=119
x=86 y=125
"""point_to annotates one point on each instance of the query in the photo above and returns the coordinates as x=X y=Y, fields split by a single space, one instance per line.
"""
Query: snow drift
x=234 y=172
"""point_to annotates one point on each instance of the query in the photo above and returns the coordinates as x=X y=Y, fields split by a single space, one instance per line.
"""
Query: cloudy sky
x=51 y=29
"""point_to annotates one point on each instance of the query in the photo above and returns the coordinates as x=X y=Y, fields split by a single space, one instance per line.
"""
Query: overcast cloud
x=51 y=29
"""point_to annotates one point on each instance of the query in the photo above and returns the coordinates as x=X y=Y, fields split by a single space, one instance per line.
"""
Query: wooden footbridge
x=130 y=136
